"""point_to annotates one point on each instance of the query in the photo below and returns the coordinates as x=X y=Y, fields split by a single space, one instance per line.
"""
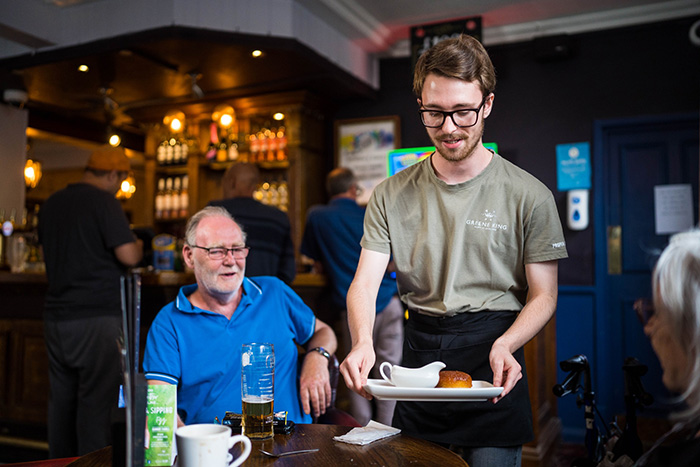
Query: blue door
x=632 y=157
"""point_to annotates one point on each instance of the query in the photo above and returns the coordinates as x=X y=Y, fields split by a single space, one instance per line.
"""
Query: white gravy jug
x=424 y=377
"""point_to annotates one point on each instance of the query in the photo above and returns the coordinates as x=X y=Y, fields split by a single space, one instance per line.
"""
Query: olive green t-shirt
x=463 y=248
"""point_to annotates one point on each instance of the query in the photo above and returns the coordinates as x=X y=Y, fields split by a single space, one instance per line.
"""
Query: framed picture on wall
x=362 y=145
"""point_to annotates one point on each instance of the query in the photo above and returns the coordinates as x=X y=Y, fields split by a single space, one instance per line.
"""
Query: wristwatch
x=322 y=351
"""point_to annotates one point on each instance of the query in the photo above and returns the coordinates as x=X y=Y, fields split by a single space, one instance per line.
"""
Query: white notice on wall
x=673 y=208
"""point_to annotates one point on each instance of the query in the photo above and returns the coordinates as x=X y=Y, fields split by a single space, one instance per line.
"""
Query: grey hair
x=209 y=211
x=676 y=288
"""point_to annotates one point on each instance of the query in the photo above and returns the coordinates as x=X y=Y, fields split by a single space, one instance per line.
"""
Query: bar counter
x=22 y=294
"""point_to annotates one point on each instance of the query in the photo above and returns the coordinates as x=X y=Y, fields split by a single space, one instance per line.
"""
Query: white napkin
x=367 y=434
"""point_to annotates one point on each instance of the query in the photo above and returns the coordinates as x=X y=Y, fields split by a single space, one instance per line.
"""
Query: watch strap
x=322 y=351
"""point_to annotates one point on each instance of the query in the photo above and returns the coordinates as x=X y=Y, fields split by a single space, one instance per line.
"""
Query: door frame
x=609 y=358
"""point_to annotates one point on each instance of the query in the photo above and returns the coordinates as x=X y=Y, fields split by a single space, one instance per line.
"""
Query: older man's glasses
x=219 y=253
x=462 y=118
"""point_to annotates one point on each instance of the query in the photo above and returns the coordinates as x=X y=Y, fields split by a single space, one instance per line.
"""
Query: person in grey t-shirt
x=475 y=241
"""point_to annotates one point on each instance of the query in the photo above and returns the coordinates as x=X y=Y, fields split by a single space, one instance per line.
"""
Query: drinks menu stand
x=128 y=423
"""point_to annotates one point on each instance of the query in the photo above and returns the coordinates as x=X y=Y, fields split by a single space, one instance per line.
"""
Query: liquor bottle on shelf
x=281 y=144
x=22 y=225
x=258 y=194
x=168 y=198
x=177 y=152
x=271 y=136
x=160 y=154
x=213 y=142
x=170 y=151
x=175 y=199
x=184 y=197
x=185 y=151
x=254 y=147
x=233 y=151
x=222 y=152
x=283 y=191
x=265 y=188
x=273 y=195
x=264 y=144
x=160 y=197
x=34 y=256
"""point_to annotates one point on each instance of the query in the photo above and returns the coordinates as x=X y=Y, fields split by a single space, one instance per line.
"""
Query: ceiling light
x=83 y=68
x=257 y=53
x=176 y=125
x=32 y=173
x=127 y=187
x=224 y=115
x=175 y=120
x=278 y=116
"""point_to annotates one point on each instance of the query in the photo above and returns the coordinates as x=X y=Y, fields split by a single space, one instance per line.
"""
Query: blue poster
x=573 y=166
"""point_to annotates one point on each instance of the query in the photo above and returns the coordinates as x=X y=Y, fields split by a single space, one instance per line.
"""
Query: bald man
x=268 y=228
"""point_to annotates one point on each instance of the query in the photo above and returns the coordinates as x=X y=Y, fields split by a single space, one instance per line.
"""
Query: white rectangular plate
x=480 y=391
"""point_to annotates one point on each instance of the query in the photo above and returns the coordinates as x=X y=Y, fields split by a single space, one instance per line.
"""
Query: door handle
x=614 y=249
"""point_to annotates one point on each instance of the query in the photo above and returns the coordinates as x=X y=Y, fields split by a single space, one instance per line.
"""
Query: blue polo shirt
x=332 y=236
x=200 y=351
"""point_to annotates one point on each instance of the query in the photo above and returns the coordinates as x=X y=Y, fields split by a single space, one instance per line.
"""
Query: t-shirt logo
x=489 y=221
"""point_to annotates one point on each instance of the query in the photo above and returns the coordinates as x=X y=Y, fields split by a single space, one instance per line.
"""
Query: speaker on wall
x=553 y=48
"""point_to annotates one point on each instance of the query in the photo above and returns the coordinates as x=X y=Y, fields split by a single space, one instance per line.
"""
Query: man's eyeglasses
x=463 y=118
x=644 y=308
x=219 y=253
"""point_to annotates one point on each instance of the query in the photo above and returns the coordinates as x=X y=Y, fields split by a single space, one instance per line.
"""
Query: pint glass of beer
x=257 y=389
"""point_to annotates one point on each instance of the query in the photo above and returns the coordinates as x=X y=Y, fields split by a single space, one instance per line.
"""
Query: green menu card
x=161 y=422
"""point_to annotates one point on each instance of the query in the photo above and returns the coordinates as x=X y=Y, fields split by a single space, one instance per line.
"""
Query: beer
x=257 y=389
x=257 y=417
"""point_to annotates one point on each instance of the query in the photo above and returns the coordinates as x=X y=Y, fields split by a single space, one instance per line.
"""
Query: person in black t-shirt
x=87 y=246
x=268 y=228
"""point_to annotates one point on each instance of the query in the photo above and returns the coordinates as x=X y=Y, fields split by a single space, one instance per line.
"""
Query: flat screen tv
x=399 y=159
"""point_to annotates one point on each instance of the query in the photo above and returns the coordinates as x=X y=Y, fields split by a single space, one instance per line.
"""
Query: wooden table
x=393 y=451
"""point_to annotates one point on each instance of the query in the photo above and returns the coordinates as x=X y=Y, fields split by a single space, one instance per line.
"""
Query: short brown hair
x=462 y=58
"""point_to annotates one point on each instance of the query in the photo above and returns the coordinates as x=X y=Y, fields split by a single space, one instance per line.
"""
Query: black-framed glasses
x=462 y=118
x=219 y=253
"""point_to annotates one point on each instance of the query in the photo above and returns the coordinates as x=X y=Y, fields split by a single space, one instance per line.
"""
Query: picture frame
x=362 y=145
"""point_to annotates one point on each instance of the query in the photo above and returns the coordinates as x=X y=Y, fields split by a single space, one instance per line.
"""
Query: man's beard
x=471 y=142
x=210 y=280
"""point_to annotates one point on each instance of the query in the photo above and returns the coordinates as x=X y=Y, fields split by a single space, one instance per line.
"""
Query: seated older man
x=195 y=342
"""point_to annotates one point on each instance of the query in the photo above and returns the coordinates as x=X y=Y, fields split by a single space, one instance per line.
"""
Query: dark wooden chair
x=334 y=415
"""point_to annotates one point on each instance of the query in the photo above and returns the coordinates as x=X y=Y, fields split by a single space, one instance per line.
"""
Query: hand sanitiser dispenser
x=577 y=209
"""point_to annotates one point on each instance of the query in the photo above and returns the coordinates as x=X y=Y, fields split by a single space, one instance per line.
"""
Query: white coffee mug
x=207 y=445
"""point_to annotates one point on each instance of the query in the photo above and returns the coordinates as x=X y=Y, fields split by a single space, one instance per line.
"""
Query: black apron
x=463 y=343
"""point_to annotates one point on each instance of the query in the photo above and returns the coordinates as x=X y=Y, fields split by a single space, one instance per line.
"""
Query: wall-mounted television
x=399 y=159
